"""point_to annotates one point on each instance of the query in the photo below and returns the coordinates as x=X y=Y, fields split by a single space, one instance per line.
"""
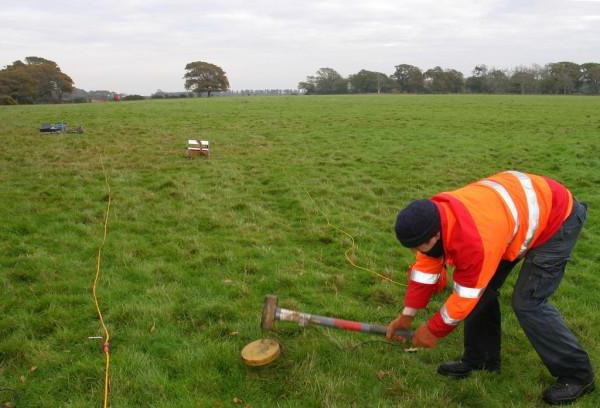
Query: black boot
x=462 y=369
x=562 y=393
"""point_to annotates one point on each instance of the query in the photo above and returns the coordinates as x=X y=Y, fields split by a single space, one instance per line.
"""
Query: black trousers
x=540 y=275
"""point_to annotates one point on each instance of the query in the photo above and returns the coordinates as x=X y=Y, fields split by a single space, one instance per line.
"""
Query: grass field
x=194 y=245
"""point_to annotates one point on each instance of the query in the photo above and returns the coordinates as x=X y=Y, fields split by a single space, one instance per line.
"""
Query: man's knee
x=539 y=279
x=525 y=303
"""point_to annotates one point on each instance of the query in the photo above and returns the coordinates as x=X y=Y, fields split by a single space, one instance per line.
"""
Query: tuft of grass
x=194 y=245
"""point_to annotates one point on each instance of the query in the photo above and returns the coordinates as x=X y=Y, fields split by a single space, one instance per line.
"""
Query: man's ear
x=432 y=241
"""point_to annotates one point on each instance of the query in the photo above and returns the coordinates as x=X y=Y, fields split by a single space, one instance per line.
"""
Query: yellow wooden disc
x=260 y=352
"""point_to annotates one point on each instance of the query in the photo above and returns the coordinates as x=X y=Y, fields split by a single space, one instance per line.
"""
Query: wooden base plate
x=260 y=352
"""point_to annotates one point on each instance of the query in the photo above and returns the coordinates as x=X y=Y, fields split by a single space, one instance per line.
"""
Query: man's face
x=426 y=246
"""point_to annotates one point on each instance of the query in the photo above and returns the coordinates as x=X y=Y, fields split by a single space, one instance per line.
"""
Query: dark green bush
x=133 y=98
x=25 y=100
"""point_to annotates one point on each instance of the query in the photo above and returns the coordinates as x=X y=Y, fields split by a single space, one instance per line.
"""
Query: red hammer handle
x=357 y=326
x=304 y=318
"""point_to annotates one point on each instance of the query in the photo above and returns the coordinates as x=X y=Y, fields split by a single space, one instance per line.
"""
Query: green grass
x=194 y=245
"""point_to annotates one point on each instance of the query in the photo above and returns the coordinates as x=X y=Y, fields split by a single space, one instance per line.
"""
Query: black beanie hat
x=417 y=223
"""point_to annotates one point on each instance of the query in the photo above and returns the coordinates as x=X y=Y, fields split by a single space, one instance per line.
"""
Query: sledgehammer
x=272 y=313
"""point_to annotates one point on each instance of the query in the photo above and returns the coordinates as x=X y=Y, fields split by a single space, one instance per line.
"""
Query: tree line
x=37 y=80
x=554 y=78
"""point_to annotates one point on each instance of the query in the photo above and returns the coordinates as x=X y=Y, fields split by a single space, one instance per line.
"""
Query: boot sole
x=451 y=374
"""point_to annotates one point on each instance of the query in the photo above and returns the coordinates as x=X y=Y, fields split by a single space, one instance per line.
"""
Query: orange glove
x=424 y=338
x=402 y=322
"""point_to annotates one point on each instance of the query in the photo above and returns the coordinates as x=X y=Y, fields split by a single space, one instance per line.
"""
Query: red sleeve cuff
x=438 y=327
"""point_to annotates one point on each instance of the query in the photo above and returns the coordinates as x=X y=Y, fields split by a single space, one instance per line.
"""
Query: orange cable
x=106 y=344
x=350 y=250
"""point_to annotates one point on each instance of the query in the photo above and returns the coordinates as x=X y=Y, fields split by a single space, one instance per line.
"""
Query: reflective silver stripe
x=499 y=188
x=532 y=207
x=422 y=277
x=465 y=292
x=447 y=319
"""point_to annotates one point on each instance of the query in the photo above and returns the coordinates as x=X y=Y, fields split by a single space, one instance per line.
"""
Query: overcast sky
x=138 y=46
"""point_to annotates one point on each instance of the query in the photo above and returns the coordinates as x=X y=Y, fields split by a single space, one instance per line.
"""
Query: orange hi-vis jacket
x=494 y=219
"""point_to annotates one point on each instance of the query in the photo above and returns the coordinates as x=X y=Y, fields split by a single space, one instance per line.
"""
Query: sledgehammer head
x=268 y=313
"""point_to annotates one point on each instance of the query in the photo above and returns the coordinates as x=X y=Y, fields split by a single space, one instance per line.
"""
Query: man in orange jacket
x=483 y=230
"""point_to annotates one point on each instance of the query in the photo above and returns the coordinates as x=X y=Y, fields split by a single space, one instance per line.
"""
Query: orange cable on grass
x=350 y=250
x=106 y=344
